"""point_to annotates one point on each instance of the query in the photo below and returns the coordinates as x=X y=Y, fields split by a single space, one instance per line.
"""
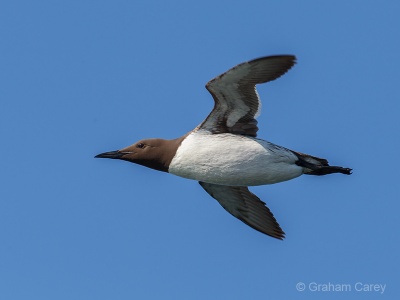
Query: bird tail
x=318 y=166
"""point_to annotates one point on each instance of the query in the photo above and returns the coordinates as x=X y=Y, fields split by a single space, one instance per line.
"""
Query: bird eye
x=140 y=145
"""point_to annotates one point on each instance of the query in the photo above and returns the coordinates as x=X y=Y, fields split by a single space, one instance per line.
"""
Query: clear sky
x=78 y=78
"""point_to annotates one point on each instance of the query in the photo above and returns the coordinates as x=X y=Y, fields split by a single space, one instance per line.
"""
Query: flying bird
x=223 y=153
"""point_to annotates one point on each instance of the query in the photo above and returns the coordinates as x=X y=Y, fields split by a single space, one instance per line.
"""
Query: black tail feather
x=318 y=166
x=324 y=170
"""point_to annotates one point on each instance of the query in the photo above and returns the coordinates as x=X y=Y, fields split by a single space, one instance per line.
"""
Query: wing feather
x=245 y=206
x=236 y=101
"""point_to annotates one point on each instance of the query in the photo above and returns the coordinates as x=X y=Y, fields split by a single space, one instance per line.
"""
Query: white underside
x=234 y=160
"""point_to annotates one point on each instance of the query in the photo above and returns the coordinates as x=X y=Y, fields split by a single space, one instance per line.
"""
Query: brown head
x=152 y=153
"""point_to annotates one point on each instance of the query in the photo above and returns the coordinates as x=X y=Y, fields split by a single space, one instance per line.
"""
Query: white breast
x=235 y=160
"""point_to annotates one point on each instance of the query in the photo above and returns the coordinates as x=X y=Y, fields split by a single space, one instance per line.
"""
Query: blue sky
x=78 y=78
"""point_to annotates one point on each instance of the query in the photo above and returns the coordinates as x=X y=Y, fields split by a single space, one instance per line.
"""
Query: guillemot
x=223 y=153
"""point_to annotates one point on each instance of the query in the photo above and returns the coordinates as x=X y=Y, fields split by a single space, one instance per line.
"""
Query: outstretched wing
x=237 y=103
x=245 y=206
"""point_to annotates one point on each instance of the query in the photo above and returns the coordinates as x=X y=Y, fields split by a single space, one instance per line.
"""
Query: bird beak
x=112 y=154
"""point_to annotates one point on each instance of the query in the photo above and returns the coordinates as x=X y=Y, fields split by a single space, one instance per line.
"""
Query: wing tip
x=289 y=58
x=280 y=235
x=273 y=230
x=276 y=233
